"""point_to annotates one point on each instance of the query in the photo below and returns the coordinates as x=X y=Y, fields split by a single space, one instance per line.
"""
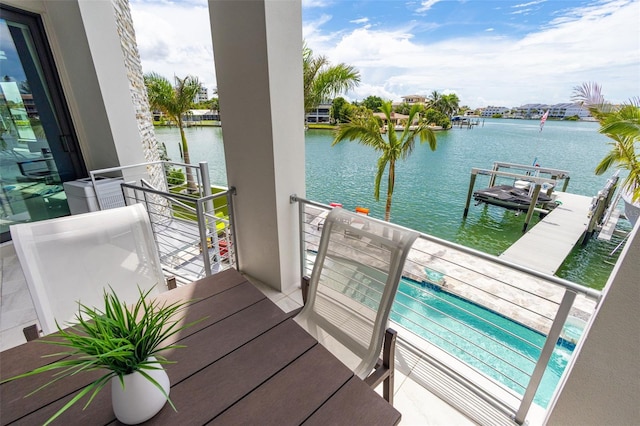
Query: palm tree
x=446 y=104
x=366 y=129
x=450 y=104
x=175 y=102
x=323 y=81
x=621 y=123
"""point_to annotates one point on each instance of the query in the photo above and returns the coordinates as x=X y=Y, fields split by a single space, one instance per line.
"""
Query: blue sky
x=505 y=53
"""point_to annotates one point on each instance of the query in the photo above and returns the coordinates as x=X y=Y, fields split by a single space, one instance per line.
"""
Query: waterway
x=431 y=186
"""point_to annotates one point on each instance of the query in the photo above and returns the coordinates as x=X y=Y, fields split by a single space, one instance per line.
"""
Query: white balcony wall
x=258 y=60
x=603 y=381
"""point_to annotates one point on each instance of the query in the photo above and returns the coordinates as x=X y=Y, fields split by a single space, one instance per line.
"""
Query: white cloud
x=175 y=39
x=598 y=42
x=531 y=3
x=360 y=21
x=425 y=5
x=593 y=44
x=316 y=3
x=522 y=11
x=312 y=31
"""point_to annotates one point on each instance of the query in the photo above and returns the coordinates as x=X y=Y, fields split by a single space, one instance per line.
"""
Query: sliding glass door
x=38 y=147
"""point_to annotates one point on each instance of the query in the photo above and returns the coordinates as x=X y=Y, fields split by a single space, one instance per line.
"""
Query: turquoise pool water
x=494 y=345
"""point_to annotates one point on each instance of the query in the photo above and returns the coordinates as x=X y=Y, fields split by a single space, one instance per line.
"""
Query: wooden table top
x=246 y=363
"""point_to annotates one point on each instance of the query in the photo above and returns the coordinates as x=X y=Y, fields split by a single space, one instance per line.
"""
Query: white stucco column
x=603 y=383
x=258 y=58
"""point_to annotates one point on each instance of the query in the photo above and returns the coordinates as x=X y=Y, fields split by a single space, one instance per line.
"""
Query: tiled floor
x=16 y=308
x=417 y=405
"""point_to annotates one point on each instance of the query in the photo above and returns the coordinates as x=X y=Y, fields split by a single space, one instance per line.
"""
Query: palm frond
x=322 y=81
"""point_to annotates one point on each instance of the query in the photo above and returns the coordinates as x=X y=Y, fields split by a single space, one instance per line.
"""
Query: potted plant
x=125 y=342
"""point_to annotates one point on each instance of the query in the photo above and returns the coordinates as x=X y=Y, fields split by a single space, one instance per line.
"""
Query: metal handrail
x=205 y=220
x=467 y=250
x=202 y=168
x=569 y=289
x=188 y=247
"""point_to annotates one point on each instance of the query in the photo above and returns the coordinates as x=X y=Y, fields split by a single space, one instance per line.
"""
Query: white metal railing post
x=202 y=229
x=545 y=355
x=231 y=242
x=303 y=258
x=212 y=224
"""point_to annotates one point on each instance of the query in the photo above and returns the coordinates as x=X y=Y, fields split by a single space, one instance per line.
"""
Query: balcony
x=265 y=162
x=449 y=292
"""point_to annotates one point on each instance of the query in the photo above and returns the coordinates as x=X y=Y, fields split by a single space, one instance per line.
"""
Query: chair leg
x=388 y=363
x=171 y=283
x=384 y=371
x=304 y=284
x=31 y=332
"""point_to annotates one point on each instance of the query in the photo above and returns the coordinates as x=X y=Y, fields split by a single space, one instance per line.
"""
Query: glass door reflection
x=34 y=160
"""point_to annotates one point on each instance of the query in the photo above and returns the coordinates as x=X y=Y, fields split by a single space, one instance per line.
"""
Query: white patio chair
x=352 y=287
x=74 y=258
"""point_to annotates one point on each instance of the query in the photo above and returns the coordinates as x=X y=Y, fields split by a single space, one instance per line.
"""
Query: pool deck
x=524 y=298
x=517 y=295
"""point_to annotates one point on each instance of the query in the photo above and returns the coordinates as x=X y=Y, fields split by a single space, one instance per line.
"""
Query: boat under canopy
x=509 y=197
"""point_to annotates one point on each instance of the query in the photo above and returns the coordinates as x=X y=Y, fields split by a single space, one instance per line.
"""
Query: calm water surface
x=431 y=186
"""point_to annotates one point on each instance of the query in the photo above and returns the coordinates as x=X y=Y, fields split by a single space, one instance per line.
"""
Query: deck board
x=545 y=246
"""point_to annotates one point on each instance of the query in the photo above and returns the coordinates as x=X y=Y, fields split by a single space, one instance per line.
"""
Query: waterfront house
x=320 y=114
x=490 y=111
x=414 y=99
x=97 y=82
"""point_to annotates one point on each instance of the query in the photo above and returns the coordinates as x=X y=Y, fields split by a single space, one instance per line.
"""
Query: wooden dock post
x=472 y=182
x=492 y=179
x=596 y=214
x=532 y=206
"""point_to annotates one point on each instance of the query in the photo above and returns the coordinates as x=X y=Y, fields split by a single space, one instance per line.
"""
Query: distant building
x=490 y=111
x=321 y=114
x=202 y=95
x=414 y=99
x=193 y=115
x=568 y=110
x=196 y=115
x=558 y=111
x=396 y=118
x=529 y=111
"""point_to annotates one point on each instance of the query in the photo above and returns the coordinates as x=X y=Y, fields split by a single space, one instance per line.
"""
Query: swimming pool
x=496 y=346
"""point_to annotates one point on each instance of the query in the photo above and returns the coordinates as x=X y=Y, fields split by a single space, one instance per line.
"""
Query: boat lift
x=531 y=174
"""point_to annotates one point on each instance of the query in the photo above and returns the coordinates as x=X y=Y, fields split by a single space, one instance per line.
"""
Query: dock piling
x=472 y=182
x=532 y=206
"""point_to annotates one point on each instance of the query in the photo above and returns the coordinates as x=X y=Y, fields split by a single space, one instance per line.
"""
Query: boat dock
x=549 y=242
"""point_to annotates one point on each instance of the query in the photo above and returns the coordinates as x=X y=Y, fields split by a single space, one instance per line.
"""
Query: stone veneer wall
x=138 y=90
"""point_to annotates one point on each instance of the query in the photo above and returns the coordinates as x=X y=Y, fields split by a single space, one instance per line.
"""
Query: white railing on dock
x=538 y=301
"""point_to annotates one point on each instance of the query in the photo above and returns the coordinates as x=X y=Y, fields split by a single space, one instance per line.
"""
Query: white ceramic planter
x=140 y=399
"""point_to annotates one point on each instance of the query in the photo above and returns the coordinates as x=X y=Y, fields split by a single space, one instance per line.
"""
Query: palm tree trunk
x=390 y=183
x=191 y=183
